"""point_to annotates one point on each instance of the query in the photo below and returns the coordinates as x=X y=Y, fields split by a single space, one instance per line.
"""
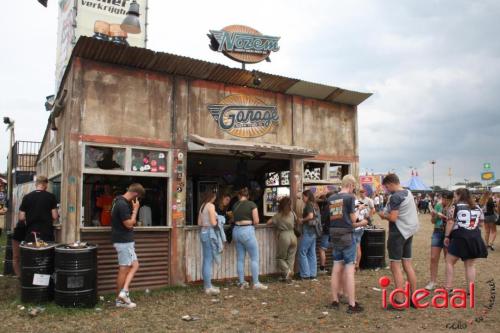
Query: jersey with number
x=467 y=218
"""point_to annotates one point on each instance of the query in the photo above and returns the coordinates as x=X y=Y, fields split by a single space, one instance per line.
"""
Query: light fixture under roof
x=131 y=24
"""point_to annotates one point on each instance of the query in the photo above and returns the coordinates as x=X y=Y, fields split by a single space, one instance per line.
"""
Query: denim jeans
x=244 y=237
x=206 y=268
x=307 y=254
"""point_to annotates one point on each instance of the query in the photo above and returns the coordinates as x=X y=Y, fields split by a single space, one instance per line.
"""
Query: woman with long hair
x=307 y=245
x=463 y=236
x=246 y=216
x=207 y=218
x=487 y=204
x=439 y=214
x=284 y=222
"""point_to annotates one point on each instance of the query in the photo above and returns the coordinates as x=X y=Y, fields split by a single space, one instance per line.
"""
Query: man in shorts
x=401 y=212
x=123 y=218
x=342 y=223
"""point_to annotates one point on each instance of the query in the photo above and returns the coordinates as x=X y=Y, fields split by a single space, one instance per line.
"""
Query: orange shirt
x=105 y=202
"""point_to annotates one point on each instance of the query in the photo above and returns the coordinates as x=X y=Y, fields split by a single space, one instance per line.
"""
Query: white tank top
x=205 y=217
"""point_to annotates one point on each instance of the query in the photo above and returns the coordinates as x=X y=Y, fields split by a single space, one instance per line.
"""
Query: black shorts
x=19 y=232
x=398 y=247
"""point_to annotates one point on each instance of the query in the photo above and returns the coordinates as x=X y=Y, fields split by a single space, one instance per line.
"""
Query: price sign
x=41 y=280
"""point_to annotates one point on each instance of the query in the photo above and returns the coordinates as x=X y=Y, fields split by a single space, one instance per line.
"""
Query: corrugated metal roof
x=140 y=58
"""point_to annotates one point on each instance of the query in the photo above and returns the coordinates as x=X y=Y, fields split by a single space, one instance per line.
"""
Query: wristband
x=447 y=236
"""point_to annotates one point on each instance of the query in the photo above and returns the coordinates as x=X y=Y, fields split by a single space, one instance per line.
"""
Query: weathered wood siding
x=153 y=252
x=266 y=238
x=125 y=103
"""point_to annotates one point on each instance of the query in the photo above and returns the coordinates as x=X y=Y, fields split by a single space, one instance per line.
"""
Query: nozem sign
x=243 y=44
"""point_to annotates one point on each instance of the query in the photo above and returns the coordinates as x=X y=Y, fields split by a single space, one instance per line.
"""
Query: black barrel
x=373 y=248
x=76 y=276
x=8 y=264
x=36 y=261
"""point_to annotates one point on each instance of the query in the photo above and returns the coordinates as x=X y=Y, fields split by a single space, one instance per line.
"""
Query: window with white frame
x=324 y=172
x=107 y=172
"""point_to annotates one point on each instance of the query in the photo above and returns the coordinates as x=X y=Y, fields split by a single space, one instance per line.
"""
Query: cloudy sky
x=433 y=67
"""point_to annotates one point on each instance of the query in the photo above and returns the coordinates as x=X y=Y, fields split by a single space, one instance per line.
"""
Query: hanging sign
x=243 y=44
x=488 y=176
x=244 y=116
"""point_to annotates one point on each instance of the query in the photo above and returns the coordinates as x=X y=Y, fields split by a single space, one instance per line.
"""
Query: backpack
x=316 y=222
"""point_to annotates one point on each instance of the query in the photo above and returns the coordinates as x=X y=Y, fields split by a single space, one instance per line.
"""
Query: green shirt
x=284 y=222
x=439 y=222
x=242 y=210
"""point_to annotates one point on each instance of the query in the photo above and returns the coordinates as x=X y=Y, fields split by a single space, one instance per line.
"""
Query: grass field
x=299 y=307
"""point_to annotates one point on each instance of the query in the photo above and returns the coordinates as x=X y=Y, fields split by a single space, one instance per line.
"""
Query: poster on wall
x=372 y=184
x=77 y=18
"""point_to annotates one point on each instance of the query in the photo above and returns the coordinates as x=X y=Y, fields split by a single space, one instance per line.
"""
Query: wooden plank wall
x=153 y=252
x=266 y=237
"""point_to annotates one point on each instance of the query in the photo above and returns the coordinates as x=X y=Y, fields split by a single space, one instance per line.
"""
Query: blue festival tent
x=416 y=184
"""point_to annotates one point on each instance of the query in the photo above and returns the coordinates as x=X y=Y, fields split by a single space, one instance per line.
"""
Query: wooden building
x=181 y=126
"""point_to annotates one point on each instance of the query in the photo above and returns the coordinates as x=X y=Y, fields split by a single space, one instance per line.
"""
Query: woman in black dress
x=463 y=236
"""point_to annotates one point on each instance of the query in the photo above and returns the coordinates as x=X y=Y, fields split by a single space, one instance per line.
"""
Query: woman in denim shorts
x=439 y=213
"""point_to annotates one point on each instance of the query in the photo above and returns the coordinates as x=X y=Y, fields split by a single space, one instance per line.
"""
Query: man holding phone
x=123 y=218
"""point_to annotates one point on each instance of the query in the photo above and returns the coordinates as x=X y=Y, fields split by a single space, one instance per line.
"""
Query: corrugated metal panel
x=351 y=97
x=309 y=89
x=153 y=252
x=266 y=239
x=93 y=49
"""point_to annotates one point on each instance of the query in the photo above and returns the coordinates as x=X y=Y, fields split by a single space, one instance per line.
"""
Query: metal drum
x=8 y=268
x=373 y=249
x=37 y=267
x=76 y=276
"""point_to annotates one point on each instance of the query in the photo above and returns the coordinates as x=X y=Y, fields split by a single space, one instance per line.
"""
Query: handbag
x=297 y=228
x=341 y=237
x=229 y=231
x=316 y=223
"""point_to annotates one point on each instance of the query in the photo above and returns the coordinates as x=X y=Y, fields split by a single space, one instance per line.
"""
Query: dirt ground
x=299 y=307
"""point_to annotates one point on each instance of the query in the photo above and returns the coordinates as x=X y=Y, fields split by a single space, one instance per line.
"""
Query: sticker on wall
x=244 y=116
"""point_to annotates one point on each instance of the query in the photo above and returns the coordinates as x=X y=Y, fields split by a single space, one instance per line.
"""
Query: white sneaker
x=243 y=285
x=430 y=286
x=259 y=286
x=120 y=304
x=124 y=297
x=212 y=291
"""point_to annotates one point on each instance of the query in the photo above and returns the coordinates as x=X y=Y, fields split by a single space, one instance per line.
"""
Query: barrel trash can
x=76 y=275
x=8 y=264
x=37 y=267
x=373 y=249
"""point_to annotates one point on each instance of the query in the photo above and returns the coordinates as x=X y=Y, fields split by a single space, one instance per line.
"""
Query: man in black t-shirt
x=123 y=218
x=39 y=210
x=341 y=210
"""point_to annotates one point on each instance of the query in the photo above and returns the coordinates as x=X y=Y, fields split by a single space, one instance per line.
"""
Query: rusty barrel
x=76 y=276
x=373 y=249
x=8 y=264
x=37 y=267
